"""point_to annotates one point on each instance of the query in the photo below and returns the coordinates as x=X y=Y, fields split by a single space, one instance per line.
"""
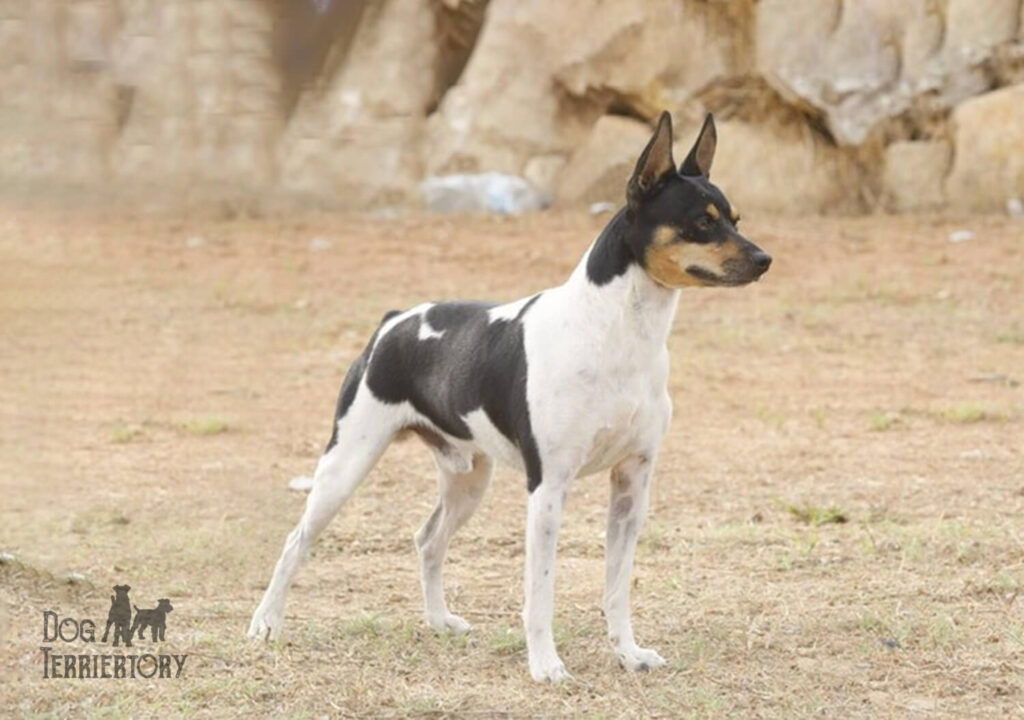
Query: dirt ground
x=837 y=523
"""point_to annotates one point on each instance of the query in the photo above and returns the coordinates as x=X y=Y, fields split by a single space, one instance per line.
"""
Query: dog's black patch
x=353 y=377
x=475 y=364
x=611 y=254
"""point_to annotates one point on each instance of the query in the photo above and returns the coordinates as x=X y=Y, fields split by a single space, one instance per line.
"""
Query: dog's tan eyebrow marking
x=734 y=214
x=713 y=211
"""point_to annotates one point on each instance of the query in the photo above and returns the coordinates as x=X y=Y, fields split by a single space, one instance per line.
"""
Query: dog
x=120 y=616
x=155 y=618
x=560 y=385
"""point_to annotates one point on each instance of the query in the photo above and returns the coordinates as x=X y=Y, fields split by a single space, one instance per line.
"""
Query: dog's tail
x=136 y=607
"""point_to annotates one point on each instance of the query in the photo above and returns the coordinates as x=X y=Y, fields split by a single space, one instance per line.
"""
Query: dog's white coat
x=597 y=394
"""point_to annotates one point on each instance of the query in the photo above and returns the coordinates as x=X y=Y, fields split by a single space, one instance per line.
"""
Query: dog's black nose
x=761 y=260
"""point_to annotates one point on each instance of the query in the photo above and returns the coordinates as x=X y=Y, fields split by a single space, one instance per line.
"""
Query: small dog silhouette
x=120 y=615
x=156 y=618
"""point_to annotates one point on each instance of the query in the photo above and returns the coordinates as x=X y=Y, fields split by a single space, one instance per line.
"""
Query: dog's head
x=164 y=604
x=122 y=589
x=683 y=229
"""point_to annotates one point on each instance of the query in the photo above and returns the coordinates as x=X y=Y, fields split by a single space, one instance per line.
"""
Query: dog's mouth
x=733 y=277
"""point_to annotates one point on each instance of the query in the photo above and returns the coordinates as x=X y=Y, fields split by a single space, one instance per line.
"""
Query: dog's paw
x=449 y=623
x=638 y=658
x=264 y=627
x=551 y=670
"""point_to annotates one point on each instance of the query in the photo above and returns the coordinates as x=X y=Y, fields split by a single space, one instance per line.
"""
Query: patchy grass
x=363 y=626
x=508 y=641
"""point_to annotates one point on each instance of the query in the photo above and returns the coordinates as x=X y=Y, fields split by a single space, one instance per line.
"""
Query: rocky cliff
x=823 y=105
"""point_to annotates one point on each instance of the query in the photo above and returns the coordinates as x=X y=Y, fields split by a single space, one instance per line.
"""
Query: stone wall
x=823 y=105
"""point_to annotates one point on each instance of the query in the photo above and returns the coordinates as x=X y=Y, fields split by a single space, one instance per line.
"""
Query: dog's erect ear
x=654 y=163
x=698 y=162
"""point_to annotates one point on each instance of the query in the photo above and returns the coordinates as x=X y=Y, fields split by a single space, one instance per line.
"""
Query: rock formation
x=825 y=106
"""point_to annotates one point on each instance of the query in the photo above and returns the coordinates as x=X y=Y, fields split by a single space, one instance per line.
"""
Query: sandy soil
x=837 y=516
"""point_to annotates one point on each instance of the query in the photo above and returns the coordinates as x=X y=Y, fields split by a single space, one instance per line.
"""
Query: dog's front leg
x=543 y=520
x=627 y=509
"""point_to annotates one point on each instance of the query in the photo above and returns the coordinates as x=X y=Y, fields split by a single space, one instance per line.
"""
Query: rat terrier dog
x=563 y=384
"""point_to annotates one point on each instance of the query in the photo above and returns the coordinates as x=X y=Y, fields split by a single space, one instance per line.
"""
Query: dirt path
x=161 y=381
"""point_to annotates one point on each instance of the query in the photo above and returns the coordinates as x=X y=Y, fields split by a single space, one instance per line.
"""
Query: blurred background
x=829 y=106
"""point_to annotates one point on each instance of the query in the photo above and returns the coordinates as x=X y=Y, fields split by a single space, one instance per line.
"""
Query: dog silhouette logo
x=156 y=619
x=120 y=616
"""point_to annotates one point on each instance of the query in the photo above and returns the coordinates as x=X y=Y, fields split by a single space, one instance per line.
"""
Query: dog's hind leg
x=459 y=495
x=362 y=438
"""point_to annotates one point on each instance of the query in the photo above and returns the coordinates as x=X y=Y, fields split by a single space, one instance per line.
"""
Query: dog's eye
x=705 y=222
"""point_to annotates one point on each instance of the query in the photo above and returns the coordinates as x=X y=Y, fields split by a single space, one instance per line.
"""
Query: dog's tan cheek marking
x=731 y=251
x=662 y=262
x=667 y=260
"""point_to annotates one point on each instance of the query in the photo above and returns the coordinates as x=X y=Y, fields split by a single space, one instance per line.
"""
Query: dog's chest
x=597 y=403
x=625 y=409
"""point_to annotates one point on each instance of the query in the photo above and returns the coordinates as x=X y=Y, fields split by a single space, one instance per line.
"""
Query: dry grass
x=157 y=396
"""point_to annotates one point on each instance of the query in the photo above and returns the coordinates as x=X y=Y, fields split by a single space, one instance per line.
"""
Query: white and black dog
x=566 y=383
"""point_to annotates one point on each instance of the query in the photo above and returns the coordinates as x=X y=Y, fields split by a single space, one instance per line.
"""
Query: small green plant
x=967 y=413
x=654 y=538
x=893 y=634
x=814 y=515
x=1014 y=336
x=943 y=632
x=205 y=426
x=124 y=434
x=880 y=422
x=819 y=415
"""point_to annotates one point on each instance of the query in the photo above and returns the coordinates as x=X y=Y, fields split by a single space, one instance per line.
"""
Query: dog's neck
x=629 y=303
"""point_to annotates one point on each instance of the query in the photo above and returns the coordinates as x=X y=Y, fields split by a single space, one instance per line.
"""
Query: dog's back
x=455 y=373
